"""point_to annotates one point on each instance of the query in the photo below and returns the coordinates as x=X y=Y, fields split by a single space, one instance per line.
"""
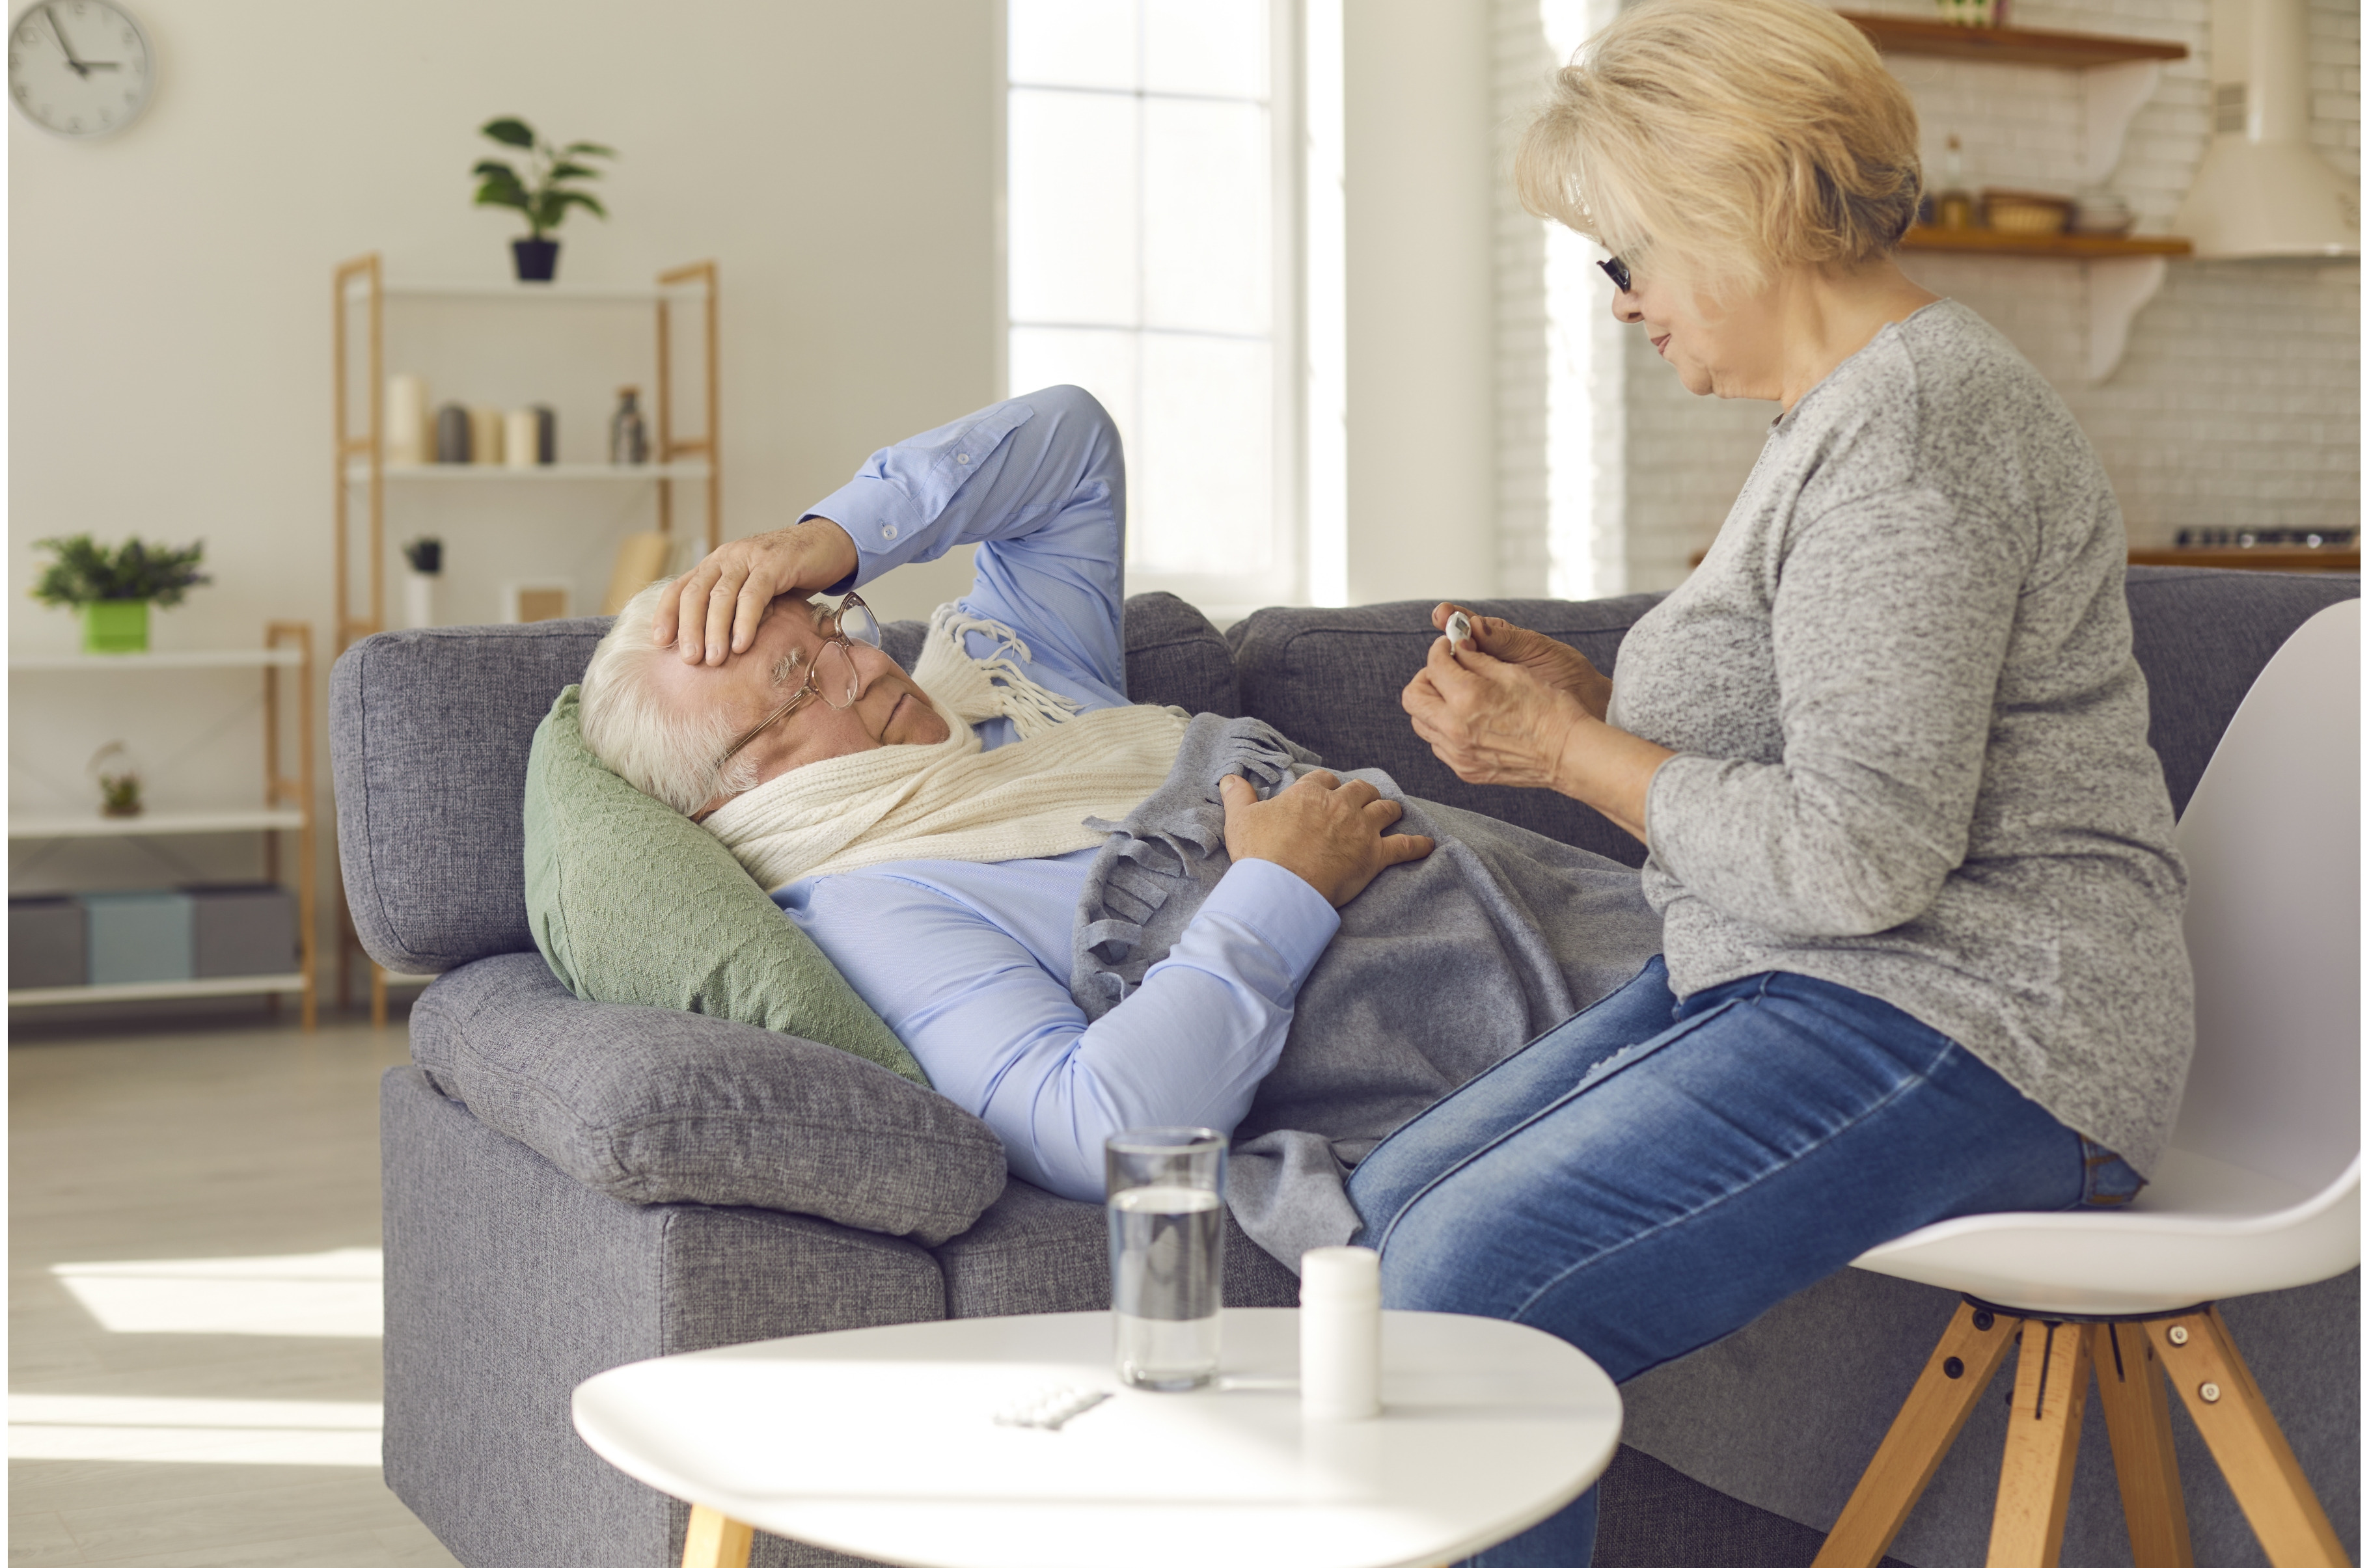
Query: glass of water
x=1165 y=1192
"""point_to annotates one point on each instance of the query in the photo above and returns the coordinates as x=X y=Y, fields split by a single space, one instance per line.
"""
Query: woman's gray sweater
x=1912 y=739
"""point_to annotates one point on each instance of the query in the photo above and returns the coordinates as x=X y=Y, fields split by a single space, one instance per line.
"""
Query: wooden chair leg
x=2044 y=1437
x=1930 y=1420
x=716 y=1542
x=2203 y=1362
x=2138 y=1422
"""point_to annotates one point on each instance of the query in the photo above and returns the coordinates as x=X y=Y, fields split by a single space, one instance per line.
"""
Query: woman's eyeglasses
x=1618 y=270
x=834 y=675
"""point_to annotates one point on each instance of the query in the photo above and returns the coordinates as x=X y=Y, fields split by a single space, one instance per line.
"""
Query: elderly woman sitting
x=1887 y=748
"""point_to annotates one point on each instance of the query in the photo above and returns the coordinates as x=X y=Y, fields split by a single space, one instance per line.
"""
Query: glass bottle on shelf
x=1953 y=206
x=629 y=436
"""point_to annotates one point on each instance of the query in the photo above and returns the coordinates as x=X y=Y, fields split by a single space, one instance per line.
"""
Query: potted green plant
x=114 y=588
x=542 y=192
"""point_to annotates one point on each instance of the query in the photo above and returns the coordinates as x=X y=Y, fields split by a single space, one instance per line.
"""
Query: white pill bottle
x=1340 y=1334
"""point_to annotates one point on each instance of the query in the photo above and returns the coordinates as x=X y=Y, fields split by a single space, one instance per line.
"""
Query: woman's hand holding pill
x=1517 y=708
x=1554 y=664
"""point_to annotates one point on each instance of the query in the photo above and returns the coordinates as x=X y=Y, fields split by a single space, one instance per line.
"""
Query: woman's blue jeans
x=1651 y=1175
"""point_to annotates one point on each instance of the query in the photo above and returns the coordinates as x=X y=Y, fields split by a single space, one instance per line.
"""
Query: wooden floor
x=258 y=1143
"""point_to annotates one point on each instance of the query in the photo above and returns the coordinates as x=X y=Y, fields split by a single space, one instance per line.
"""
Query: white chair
x=2260 y=1191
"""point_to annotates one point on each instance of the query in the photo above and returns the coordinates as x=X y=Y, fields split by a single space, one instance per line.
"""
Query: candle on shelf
x=519 y=439
x=452 y=433
x=407 y=438
x=485 y=435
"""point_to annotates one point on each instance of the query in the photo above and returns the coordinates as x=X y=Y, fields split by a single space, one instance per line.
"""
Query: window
x=1153 y=237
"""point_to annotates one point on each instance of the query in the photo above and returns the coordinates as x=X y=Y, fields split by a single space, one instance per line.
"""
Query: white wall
x=1418 y=175
x=169 y=298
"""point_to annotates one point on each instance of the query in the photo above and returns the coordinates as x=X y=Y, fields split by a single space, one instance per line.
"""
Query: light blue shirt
x=969 y=963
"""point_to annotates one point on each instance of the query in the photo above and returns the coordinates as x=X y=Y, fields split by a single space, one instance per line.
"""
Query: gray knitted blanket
x=1441 y=968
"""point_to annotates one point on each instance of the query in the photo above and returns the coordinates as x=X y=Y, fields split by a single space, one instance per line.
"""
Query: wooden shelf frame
x=286 y=660
x=544 y=473
x=360 y=468
x=360 y=462
x=2008 y=46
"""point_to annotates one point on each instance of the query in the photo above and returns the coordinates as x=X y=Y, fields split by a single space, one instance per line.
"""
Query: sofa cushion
x=1330 y=679
x=1176 y=658
x=652 y=1105
x=631 y=900
x=429 y=733
x=2202 y=636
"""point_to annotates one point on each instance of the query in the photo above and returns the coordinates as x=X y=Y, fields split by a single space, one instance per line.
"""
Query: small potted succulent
x=116 y=773
x=114 y=588
x=542 y=192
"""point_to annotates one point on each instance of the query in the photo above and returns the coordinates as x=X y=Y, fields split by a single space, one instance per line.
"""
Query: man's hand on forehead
x=716 y=608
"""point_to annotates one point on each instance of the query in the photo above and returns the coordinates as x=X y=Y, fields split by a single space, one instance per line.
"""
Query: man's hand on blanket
x=1327 y=832
x=717 y=605
x=1565 y=669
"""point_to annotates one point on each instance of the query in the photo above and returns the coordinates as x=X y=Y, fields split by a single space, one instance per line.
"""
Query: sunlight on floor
x=324 y=1294
x=192 y=1431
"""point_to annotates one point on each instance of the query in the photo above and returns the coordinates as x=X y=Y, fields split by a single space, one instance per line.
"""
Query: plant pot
x=538 y=260
x=115 y=626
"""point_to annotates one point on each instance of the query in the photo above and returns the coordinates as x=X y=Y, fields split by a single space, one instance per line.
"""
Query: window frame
x=1222 y=597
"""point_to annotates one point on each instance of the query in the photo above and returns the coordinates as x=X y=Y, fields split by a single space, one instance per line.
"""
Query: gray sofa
x=551 y=1209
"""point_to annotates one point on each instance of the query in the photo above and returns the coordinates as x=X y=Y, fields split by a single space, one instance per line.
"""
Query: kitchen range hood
x=2263 y=191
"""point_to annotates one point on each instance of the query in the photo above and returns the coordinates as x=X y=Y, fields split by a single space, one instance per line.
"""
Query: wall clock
x=78 y=68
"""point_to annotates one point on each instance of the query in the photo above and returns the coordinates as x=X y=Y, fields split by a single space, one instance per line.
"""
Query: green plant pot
x=115 y=626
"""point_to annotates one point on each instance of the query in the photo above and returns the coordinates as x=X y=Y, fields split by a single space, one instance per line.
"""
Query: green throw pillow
x=632 y=901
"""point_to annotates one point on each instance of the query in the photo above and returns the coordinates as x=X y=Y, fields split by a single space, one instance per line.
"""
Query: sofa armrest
x=651 y=1106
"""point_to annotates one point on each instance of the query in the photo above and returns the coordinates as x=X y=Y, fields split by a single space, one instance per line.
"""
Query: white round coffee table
x=884 y=1442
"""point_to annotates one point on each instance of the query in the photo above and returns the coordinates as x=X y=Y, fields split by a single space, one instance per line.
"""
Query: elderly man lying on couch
x=1079 y=914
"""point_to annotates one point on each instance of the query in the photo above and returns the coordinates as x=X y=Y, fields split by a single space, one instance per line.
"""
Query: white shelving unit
x=546 y=473
x=156 y=824
x=361 y=472
x=287 y=808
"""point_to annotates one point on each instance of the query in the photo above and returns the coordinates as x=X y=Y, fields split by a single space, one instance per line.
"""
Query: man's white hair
x=664 y=750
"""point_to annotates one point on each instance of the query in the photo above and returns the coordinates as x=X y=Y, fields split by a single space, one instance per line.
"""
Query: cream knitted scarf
x=955 y=801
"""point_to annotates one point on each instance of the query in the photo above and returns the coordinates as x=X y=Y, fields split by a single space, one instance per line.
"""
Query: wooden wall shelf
x=2259 y=558
x=2075 y=247
x=2008 y=46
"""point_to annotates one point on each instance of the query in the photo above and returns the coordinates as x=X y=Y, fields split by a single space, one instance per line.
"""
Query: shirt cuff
x=881 y=520
x=1279 y=908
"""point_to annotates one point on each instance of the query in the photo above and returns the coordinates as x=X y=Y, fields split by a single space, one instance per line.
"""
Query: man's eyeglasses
x=1618 y=270
x=833 y=676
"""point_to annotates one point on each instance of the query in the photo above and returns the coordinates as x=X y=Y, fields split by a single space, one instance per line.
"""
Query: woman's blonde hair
x=1709 y=141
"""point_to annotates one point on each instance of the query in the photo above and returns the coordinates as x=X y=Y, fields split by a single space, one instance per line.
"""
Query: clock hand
x=59 y=28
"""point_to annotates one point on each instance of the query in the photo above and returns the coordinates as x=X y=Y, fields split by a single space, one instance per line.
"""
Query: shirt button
x=962 y=457
x=888 y=530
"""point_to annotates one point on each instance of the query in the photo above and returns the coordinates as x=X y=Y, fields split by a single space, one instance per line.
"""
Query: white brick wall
x=2239 y=397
